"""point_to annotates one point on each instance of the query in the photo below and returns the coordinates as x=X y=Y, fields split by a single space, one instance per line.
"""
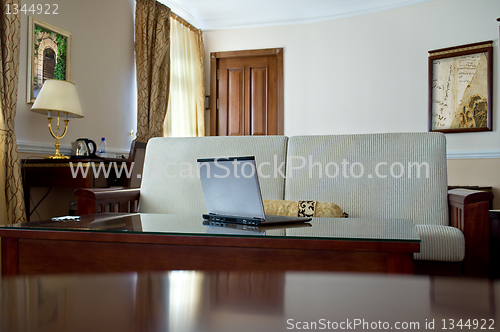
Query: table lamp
x=58 y=98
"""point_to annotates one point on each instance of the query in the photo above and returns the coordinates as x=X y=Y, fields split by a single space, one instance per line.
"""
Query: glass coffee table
x=116 y=242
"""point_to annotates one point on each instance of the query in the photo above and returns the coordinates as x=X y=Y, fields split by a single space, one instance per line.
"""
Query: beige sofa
x=373 y=175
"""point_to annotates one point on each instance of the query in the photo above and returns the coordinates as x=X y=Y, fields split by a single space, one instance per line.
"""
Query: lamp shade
x=59 y=96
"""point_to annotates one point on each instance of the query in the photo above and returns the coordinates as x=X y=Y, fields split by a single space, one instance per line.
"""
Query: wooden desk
x=58 y=173
x=152 y=242
x=221 y=301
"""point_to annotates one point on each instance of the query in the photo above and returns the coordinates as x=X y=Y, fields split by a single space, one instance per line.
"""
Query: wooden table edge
x=218 y=240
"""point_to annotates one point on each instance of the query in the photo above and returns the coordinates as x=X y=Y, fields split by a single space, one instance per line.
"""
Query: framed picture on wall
x=460 y=88
x=49 y=56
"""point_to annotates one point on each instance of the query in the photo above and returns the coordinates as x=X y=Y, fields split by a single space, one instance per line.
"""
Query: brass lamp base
x=57 y=155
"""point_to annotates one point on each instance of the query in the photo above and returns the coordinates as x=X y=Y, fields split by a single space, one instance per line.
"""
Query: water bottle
x=103 y=147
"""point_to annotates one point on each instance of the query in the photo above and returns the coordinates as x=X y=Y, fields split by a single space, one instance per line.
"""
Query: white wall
x=368 y=74
x=102 y=69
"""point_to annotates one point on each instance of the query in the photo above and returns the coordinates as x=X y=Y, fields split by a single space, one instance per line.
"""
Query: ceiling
x=231 y=14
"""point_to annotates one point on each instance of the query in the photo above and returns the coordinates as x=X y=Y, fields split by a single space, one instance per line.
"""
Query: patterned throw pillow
x=303 y=209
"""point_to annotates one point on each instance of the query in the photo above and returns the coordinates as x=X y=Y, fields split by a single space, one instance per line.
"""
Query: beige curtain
x=186 y=106
x=152 y=47
x=11 y=185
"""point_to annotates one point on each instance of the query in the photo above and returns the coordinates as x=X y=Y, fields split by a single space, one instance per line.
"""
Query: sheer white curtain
x=185 y=112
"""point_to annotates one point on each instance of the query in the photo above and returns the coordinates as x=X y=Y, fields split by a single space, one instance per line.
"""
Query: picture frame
x=49 y=55
x=460 y=88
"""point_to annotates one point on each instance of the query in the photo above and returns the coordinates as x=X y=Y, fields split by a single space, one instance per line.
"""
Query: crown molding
x=296 y=12
x=181 y=11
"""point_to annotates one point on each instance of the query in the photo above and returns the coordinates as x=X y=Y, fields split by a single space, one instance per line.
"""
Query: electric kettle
x=85 y=147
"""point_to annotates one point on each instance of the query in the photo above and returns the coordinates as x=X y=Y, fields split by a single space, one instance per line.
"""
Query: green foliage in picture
x=61 y=42
x=60 y=69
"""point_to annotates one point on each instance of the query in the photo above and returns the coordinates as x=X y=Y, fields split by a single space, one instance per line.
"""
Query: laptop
x=218 y=227
x=232 y=192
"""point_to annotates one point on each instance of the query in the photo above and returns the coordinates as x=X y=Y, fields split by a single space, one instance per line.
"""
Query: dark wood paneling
x=258 y=103
x=10 y=256
x=469 y=212
x=400 y=263
x=50 y=256
x=217 y=241
x=221 y=97
x=248 y=53
x=495 y=244
x=235 y=101
x=477 y=240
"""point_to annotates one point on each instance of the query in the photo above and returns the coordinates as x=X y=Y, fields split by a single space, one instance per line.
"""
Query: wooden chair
x=135 y=158
x=121 y=199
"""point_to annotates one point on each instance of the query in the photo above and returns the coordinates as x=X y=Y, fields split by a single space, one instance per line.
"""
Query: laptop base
x=254 y=221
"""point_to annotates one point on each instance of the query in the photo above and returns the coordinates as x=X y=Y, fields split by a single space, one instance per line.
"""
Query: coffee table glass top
x=398 y=230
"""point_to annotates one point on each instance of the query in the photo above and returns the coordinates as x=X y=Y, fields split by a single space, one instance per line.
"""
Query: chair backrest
x=136 y=156
x=170 y=182
x=374 y=175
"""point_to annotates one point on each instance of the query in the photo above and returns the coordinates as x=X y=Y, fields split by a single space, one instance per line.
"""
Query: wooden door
x=248 y=90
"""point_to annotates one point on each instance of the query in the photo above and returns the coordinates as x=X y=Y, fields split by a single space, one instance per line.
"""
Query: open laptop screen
x=231 y=186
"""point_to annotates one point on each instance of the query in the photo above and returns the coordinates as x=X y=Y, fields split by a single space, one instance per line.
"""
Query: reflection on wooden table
x=244 y=301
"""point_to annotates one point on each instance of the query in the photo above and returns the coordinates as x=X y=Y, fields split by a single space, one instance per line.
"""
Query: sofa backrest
x=374 y=175
x=170 y=182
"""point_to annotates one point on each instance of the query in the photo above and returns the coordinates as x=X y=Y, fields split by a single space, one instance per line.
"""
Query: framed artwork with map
x=460 y=88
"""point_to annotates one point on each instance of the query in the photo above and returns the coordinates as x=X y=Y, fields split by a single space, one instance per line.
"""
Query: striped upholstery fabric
x=364 y=190
x=170 y=183
x=424 y=200
x=440 y=243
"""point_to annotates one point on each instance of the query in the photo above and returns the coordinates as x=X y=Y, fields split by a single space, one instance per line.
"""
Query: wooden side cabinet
x=495 y=243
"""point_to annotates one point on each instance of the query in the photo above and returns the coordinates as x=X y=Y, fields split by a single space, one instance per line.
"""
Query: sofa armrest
x=469 y=212
x=92 y=201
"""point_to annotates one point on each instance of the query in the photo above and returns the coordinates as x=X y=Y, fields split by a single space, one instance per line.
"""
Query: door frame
x=214 y=67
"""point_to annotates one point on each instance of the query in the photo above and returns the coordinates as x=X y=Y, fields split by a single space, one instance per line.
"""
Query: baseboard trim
x=48 y=148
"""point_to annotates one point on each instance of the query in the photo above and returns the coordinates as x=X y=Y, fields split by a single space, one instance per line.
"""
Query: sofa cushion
x=372 y=175
x=302 y=209
x=440 y=243
x=170 y=182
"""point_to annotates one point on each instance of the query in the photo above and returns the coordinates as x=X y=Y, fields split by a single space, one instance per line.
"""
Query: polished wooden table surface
x=152 y=242
x=185 y=301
